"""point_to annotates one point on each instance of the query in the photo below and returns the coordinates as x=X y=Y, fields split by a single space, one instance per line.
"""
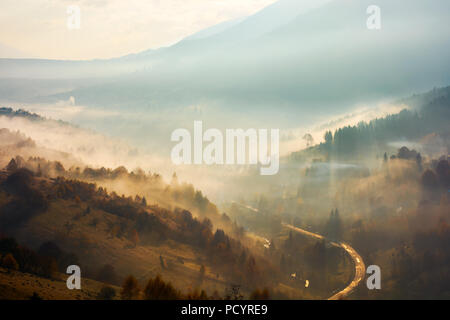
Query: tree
x=308 y=139
x=419 y=161
x=338 y=225
x=328 y=138
x=130 y=288
x=429 y=179
x=157 y=289
x=334 y=226
x=12 y=166
x=443 y=173
x=10 y=263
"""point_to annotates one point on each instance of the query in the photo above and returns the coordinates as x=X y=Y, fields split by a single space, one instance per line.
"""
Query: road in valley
x=360 y=268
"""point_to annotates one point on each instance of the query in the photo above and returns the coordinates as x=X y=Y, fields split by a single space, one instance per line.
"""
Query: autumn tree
x=157 y=289
x=10 y=263
x=130 y=288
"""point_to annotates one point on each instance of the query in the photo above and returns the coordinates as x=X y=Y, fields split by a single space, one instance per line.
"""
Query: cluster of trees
x=158 y=289
x=302 y=258
x=26 y=200
x=411 y=245
x=9 y=112
x=155 y=289
x=357 y=141
x=181 y=194
x=436 y=181
x=227 y=255
x=45 y=263
x=15 y=138
x=145 y=224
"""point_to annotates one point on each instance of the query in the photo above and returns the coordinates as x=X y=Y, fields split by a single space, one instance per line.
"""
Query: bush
x=106 y=293
x=157 y=289
x=10 y=263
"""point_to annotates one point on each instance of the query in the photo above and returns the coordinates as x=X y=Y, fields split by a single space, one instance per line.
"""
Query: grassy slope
x=95 y=246
x=17 y=286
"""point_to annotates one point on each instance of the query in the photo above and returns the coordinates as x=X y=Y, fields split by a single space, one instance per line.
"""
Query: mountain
x=266 y=20
x=325 y=58
x=216 y=29
x=291 y=56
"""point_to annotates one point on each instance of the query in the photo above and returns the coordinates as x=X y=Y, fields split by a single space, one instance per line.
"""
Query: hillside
x=103 y=228
x=423 y=124
x=15 y=285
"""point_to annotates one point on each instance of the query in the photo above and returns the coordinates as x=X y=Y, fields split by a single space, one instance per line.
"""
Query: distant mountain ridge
x=279 y=63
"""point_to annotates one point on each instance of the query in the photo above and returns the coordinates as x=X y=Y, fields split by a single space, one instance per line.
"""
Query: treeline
x=158 y=289
x=26 y=200
x=140 y=223
x=46 y=262
x=368 y=138
x=170 y=196
x=414 y=243
x=9 y=112
x=182 y=194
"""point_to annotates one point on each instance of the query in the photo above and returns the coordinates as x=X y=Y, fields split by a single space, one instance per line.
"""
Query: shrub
x=157 y=289
x=106 y=293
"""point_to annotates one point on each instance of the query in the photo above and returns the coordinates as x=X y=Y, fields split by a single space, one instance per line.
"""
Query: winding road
x=360 y=268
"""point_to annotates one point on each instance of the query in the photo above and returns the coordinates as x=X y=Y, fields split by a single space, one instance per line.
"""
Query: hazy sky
x=109 y=28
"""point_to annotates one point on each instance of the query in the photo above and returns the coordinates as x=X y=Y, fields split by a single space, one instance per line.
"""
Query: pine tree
x=12 y=166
